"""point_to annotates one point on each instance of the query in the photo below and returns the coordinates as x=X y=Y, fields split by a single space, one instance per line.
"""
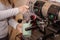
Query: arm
x=13 y=23
x=12 y=12
x=8 y=13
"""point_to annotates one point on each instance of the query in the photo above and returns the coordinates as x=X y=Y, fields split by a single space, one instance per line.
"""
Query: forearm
x=8 y=13
x=13 y=23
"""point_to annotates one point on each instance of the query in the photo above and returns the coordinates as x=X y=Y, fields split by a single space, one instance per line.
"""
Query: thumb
x=26 y=6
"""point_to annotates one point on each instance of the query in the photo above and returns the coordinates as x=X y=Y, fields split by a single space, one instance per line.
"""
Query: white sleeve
x=8 y=13
x=13 y=23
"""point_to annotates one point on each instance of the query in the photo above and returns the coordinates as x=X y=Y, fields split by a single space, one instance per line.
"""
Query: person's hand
x=19 y=28
x=24 y=8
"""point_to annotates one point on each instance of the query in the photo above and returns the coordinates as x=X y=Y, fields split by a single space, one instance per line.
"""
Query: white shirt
x=4 y=14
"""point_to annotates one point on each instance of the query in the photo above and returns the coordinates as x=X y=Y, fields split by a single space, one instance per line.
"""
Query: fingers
x=23 y=8
x=27 y=7
x=19 y=28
